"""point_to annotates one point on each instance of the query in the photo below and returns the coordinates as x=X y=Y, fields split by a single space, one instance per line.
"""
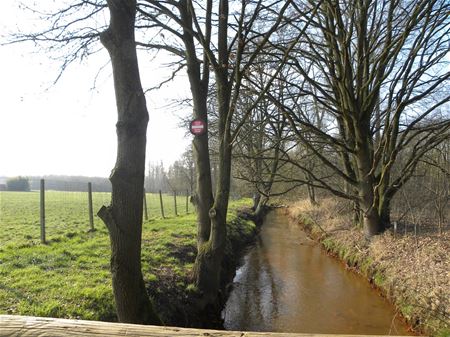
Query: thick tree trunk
x=371 y=220
x=208 y=264
x=199 y=82
x=123 y=217
x=384 y=197
x=372 y=223
x=204 y=183
x=385 y=214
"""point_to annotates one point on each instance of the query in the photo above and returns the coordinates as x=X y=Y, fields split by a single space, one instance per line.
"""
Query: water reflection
x=288 y=284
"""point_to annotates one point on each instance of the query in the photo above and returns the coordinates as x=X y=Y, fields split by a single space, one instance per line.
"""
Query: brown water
x=288 y=284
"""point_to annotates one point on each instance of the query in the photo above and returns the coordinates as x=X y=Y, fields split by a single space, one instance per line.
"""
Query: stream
x=287 y=283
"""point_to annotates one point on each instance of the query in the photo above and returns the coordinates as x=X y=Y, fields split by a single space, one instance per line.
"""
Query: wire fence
x=45 y=215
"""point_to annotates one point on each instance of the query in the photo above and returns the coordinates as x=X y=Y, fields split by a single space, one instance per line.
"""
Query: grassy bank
x=412 y=271
x=70 y=278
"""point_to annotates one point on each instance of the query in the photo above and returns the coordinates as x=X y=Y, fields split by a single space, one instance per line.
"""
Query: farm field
x=69 y=277
x=66 y=214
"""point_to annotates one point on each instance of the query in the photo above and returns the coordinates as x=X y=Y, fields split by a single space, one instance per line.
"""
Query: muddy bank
x=175 y=296
x=412 y=271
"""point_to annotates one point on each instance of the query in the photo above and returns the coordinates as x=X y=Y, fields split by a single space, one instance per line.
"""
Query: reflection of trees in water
x=254 y=303
x=274 y=283
x=289 y=284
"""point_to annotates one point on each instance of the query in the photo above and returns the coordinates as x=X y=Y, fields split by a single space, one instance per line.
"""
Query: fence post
x=145 y=205
x=175 y=201
x=187 y=201
x=161 y=203
x=42 y=217
x=91 y=208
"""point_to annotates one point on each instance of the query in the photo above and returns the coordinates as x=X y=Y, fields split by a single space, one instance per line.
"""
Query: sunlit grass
x=69 y=277
x=65 y=213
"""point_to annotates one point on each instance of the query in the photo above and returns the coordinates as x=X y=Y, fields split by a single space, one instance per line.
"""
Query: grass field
x=69 y=277
x=66 y=213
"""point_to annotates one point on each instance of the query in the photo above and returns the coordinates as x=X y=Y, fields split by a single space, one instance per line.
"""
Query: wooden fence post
x=91 y=208
x=187 y=201
x=175 y=201
x=42 y=217
x=161 y=203
x=145 y=205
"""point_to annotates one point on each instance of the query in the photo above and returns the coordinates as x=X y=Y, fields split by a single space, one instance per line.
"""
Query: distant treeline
x=176 y=178
x=71 y=183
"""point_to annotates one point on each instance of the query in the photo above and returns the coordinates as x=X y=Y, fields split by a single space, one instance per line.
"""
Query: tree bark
x=256 y=199
x=311 y=190
x=372 y=223
x=199 y=81
x=208 y=263
x=211 y=244
x=384 y=195
x=123 y=217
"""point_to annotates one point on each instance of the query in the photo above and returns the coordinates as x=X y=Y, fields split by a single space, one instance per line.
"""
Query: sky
x=68 y=128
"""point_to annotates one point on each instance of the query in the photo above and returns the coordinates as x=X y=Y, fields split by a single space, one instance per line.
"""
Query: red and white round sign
x=198 y=127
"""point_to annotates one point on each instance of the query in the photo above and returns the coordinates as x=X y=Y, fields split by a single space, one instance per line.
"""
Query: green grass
x=65 y=213
x=444 y=332
x=69 y=277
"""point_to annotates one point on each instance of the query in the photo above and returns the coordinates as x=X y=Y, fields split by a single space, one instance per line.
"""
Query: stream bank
x=413 y=272
x=174 y=294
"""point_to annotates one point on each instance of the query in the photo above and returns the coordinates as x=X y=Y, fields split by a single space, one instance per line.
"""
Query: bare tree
x=124 y=216
x=261 y=141
x=380 y=71
x=181 y=173
x=217 y=42
x=427 y=192
x=76 y=30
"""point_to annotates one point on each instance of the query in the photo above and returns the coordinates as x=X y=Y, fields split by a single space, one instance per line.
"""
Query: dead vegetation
x=411 y=267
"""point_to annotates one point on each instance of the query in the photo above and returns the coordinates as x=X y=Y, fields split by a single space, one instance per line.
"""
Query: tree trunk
x=311 y=190
x=123 y=217
x=384 y=206
x=385 y=214
x=199 y=82
x=208 y=263
x=204 y=184
x=261 y=205
x=349 y=170
x=372 y=223
x=384 y=195
x=256 y=199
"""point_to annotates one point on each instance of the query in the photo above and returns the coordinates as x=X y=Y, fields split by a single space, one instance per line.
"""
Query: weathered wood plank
x=26 y=326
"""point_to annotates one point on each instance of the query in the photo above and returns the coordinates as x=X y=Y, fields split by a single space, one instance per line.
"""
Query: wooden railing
x=55 y=327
